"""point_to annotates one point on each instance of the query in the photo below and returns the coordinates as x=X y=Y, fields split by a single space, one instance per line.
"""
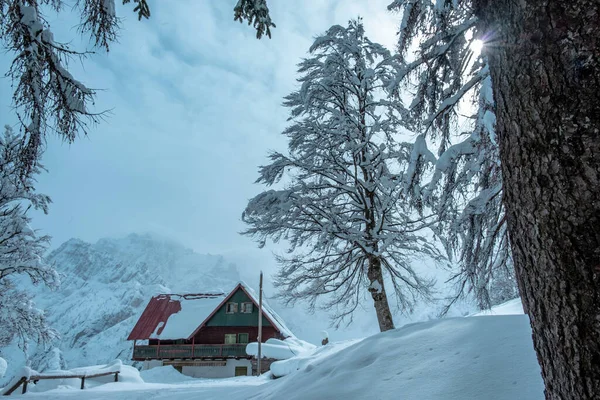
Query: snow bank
x=165 y=374
x=115 y=366
x=473 y=358
x=280 y=349
x=127 y=374
x=511 y=307
x=301 y=362
x=449 y=359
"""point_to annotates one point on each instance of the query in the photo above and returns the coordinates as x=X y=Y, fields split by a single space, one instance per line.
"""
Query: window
x=247 y=308
x=243 y=338
x=241 y=371
x=230 y=338
x=231 y=308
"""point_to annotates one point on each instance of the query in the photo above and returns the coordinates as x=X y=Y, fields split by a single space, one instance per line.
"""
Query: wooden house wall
x=221 y=318
x=216 y=334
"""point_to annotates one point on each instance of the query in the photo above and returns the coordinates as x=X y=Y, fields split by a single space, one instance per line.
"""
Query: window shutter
x=235 y=307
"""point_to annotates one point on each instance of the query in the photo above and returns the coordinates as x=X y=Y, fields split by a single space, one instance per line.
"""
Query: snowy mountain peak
x=147 y=259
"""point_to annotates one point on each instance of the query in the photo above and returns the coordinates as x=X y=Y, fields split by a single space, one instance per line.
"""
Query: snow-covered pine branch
x=256 y=13
x=21 y=249
x=343 y=212
x=463 y=185
x=47 y=97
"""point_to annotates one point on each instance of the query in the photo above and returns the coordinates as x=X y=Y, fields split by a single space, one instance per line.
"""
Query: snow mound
x=166 y=374
x=450 y=359
x=280 y=349
x=511 y=307
x=301 y=362
x=127 y=374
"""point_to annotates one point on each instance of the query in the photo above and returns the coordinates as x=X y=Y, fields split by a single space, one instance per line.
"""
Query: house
x=204 y=334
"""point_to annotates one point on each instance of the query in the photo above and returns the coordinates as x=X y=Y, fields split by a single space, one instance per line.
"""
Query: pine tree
x=21 y=249
x=47 y=96
x=342 y=209
x=463 y=184
x=541 y=60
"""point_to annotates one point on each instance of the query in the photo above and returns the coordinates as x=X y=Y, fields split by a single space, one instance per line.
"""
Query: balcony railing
x=189 y=351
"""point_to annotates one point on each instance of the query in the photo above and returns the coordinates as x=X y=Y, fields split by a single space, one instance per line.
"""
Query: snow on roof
x=194 y=310
x=175 y=316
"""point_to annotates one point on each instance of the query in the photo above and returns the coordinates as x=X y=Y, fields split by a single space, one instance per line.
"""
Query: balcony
x=177 y=351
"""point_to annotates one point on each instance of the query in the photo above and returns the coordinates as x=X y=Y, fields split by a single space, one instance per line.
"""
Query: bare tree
x=342 y=210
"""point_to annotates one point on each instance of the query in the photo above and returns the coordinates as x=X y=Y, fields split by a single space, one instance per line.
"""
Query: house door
x=241 y=371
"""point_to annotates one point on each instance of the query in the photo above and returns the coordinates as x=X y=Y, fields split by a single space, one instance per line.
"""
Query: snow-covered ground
x=511 y=307
x=479 y=357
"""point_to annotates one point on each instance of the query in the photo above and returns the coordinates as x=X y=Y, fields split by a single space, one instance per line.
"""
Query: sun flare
x=476 y=46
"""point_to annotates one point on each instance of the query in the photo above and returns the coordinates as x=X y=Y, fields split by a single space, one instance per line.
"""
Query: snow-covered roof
x=175 y=316
x=180 y=316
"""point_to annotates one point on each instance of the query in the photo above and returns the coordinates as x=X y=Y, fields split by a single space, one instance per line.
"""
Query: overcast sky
x=196 y=105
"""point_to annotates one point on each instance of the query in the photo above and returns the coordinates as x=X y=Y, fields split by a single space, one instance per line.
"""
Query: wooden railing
x=189 y=351
x=35 y=378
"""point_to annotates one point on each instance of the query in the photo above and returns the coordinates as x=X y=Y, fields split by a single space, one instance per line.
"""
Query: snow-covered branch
x=343 y=213
x=21 y=249
x=463 y=184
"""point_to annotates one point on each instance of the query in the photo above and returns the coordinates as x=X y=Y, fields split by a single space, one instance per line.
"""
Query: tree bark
x=544 y=59
x=377 y=290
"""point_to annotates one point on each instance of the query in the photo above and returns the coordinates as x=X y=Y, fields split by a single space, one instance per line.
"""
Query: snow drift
x=280 y=349
x=450 y=359
x=471 y=358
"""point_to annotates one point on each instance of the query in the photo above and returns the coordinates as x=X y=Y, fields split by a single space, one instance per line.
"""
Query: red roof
x=154 y=319
x=158 y=310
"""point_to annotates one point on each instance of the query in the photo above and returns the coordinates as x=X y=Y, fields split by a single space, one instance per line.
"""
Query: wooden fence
x=35 y=378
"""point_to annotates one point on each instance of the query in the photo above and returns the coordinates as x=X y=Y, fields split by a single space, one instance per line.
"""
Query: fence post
x=82 y=382
x=25 y=386
x=117 y=376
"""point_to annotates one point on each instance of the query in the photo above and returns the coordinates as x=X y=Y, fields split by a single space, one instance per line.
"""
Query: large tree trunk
x=544 y=59
x=377 y=290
